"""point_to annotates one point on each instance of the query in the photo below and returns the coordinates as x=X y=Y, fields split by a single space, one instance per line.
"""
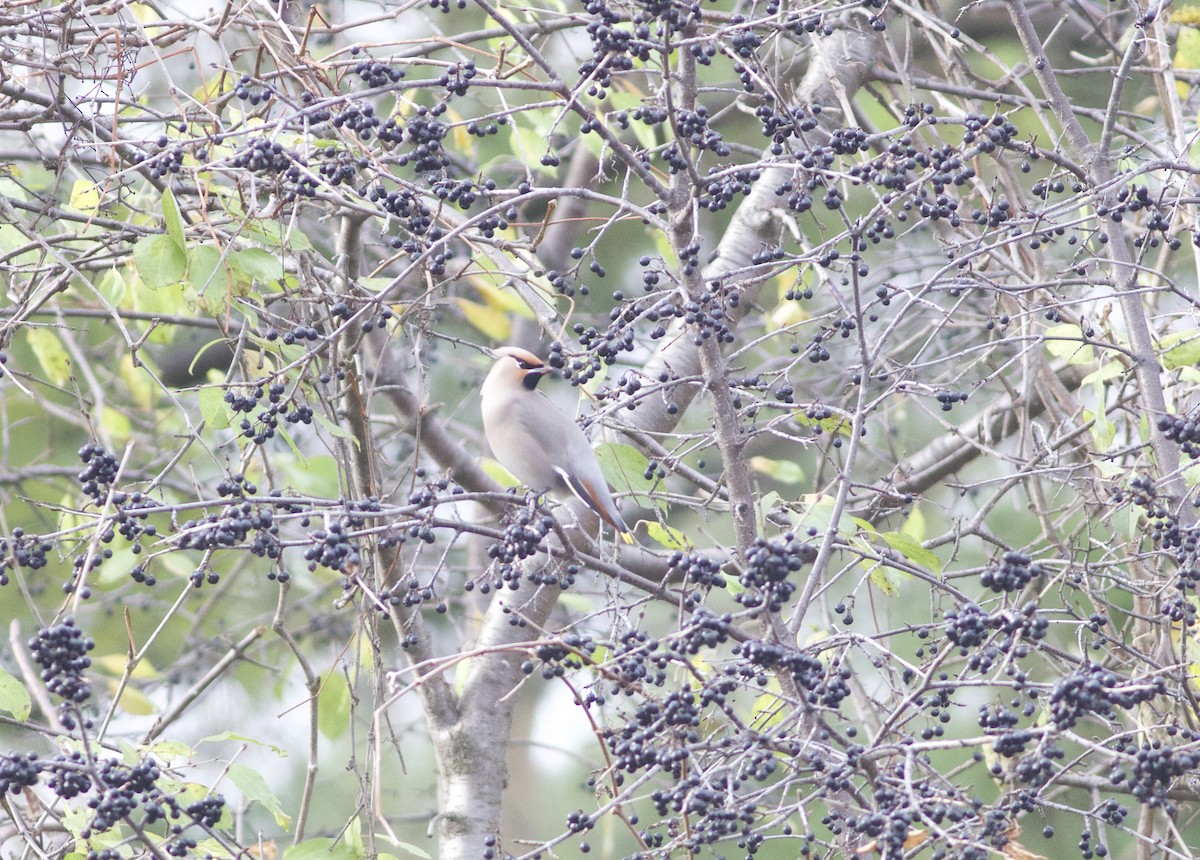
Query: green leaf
x=1065 y=341
x=340 y=432
x=333 y=705
x=624 y=468
x=667 y=536
x=1182 y=347
x=116 y=424
x=834 y=424
x=1104 y=432
x=273 y=234
x=213 y=408
x=159 y=261
x=529 y=145
x=50 y=354
x=320 y=849
x=783 y=471
x=312 y=475
x=1105 y=372
x=886 y=580
x=254 y=787
x=210 y=275
x=259 y=264
x=909 y=547
x=173 y=220
x=14 y=698
x=864 y=525
x=817 y=514
x=222 y=737
x=764 y=505
x=113 y=287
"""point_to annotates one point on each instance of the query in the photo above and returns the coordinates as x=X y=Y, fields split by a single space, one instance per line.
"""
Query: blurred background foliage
x=251 y=257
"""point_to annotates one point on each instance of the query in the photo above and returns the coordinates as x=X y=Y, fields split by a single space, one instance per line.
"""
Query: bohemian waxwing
x=534 y=440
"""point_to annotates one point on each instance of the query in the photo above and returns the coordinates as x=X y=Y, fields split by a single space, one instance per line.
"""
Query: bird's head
x=517 y=366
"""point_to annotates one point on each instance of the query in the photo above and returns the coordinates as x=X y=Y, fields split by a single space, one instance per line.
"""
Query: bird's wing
x=583 y=490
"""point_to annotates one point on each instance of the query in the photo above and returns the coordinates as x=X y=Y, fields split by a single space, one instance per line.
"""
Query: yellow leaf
x=786 y=314
x=1187 y=43
x=144 y=14
x=769 y=708
x=137 y=382
x=497 y=473
x=784 y=471
x=132 y=701
x=114 y=664
x=1188 y=16
x=497 y=297
x=915 y=526
x=462 y=137
x=667 y=536
x=1065 y=341
x=85 y=197
x=50 y=354
x=491 y=322
x=211 y=90
x=914 y=839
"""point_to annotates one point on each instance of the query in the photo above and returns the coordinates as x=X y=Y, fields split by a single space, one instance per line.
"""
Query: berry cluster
x=1183 y=430
x=825 y=686
x=613 y=46
x=340 y=167
x=426 y=132
x=160 y=164
x=696 y=569
x=246 y=91
x=374 y=73
x=558 y=656
x=523 y=536
x=1156 y=767
x=692 y=130
x=61 y=651
x=968 y=626
x=23 y=551
x=230 y=528
x=100 y=472
x=18 y=772
x=768 y=570
x=1038 y=766
x=359 y=117
x=266 y=421
x=457 y=78
x=269 y=158
x=1094 y=689
x=1016 y=570
x=409 y=593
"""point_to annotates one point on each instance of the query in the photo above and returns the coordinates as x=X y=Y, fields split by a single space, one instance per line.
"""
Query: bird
x=540 y=445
